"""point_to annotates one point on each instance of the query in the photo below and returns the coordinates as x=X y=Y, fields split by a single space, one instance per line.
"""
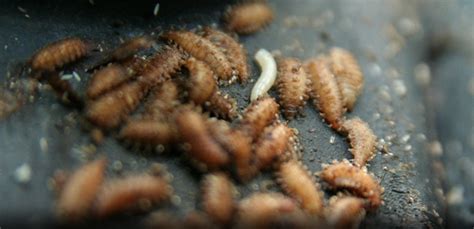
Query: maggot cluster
x=172 y=101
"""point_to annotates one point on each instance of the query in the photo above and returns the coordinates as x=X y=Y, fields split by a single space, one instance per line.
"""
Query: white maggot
x=267 y=77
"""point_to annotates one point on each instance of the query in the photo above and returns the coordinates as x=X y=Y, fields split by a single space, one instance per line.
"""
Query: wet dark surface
x=389 y=39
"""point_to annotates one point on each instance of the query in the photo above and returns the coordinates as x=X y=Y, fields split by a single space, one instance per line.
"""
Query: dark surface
x=372 y=30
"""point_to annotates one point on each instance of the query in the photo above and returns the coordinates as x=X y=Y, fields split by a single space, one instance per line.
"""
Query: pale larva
x=267 y=77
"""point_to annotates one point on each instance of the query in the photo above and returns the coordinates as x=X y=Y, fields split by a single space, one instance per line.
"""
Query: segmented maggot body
x=106 y=79
x=149 y=132
x=222 y=105
x=113 y=107
x=231 y=47
x=348 y=75
x=127 y=193
x=218 y=197
x=362 y=139
x=201 y=146
x=345 y=212
x=163 y=101
x=204 y=50
x=59 y=53
x=260 y=209
x=273 y=142
x=248 y=17
x=202 y=84
x=238 y=144
x=325 y=91
x=258 y=115
x=344 y=175
x=79 y=192
x=162 y=65
x=293 y=86
x=130 y=47
x=296 y=180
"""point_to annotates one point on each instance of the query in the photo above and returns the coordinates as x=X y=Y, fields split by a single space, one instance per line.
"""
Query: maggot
x=238 y=144
x=273 y=142
x=149 y=132
x=296 y=180
x=59 y=53
x=222 y=105
x=218 y=197
x=348 y=75
x=345 y=212
x=325 y=91
x=362 y=140
x=261 y=209
x=267 y=77
x=258 y=115
x=235 y=52
x=202 y=84
x=162 y=65
x=80 y=190
x=248 y=17
x=127 y=193
x=344 y=175
x=110 y=109
x=293 y=86
x=106 y=79
x=202 y=147
x=204 y=50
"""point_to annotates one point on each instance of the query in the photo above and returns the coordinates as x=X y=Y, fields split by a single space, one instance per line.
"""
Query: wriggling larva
x=131 y=47
x=105 y=79
x=223 y=106
x=202 y=49
x=249 y=17
x=154 y=127
x=238 y=144
x=344 y=175
x=162 y=65
x=163 y=101
x=296 y=180
x=262 y=208
x=218 y=197
x=258 y=115
x=202 y=147
x=59 y=53
x=149 y=132
x=325 y=91
x=202 y=84
x=267 y=77
x=80 y=191
x=235 y=51
x=293 y=86
x=113 y=75
x=273 y=142
x=127 y=193
x=345 y=212
x=110 y=109
x=348 y=75
x=362 y=140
